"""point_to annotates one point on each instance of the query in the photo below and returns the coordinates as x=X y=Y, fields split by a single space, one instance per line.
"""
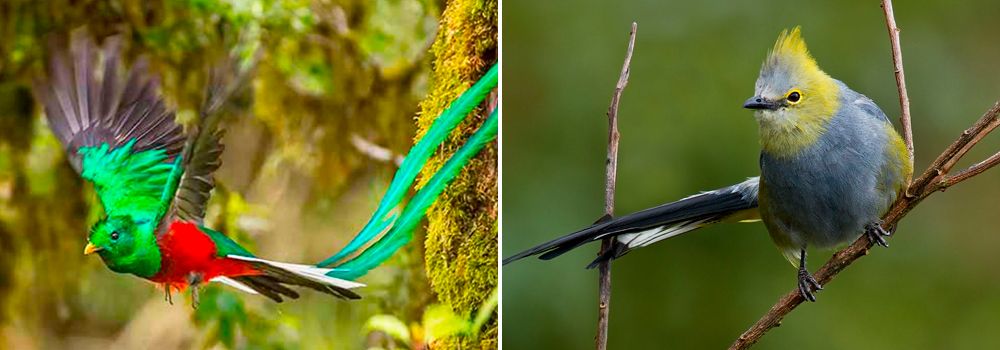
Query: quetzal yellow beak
x=91 y=249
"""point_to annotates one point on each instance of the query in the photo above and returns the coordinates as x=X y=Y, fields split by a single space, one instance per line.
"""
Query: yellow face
x=793 y=98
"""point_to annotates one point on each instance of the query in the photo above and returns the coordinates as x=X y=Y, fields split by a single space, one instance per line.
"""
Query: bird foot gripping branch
x=154 y=182
x=807 y=283
x=877 y=234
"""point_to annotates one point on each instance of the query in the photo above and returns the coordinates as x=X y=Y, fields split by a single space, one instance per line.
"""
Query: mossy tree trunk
x=461 y=244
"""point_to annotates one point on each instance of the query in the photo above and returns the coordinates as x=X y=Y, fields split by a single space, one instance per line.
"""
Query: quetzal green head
x=793 y=98
x=126 y=244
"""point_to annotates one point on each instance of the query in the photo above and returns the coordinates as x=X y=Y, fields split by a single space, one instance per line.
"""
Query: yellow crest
x=791 y=52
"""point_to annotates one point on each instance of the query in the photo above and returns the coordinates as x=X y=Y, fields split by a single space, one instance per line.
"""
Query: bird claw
x=194 y=280
x=168 y=297
x=194 y=297
x=876 y=233
x=808 y=285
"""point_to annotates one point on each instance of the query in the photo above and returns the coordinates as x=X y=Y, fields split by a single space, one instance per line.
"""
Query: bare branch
x=611 y=171
x=951 y=155
x=971 y=171
x=897 y=63
x=375 y=151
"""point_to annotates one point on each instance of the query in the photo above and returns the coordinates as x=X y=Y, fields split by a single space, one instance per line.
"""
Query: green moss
x=461 y=243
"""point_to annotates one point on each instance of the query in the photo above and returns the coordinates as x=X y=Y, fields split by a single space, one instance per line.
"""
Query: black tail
x=277 y=276
x=273 y=283
x=653 y=224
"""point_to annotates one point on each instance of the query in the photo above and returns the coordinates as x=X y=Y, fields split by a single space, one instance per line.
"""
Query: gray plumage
x=826 y=195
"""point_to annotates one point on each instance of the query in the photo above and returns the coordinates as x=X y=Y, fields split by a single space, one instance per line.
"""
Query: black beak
x=758 y=102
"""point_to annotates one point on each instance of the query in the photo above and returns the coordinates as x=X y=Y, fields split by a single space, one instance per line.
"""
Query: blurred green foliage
x=293 y=186
x=439 y=322
x=683 y=131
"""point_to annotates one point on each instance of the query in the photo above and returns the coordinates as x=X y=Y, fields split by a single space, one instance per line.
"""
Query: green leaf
x=390 y=325
x=484 y=313
x=441 y=322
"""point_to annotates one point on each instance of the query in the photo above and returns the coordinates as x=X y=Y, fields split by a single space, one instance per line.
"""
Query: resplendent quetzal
x=151 y=179
x=154 y=182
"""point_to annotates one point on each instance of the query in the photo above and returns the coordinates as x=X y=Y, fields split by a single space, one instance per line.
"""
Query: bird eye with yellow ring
x=793 y=96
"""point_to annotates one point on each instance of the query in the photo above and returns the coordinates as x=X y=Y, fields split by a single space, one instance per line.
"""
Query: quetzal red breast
x=153 y=180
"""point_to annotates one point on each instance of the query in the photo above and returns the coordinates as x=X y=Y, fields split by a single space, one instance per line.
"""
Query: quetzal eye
x=114 y=235
x=794 y=96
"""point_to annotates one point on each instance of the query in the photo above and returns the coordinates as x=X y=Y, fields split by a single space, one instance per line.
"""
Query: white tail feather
x=313 y=273
x=234 y=283
x=644 y=238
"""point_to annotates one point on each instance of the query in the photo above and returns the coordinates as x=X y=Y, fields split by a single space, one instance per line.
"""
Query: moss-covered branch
x=461 y=243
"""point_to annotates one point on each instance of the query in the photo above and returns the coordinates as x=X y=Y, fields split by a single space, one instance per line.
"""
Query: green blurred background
x=337 y=79
x=683 y=131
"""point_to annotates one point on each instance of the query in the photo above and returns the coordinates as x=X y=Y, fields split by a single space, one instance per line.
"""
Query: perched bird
x=152 y=181
x=831 y=165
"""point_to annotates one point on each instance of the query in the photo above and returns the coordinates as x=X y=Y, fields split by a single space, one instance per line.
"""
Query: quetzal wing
x=116 y=130
x=201 y=159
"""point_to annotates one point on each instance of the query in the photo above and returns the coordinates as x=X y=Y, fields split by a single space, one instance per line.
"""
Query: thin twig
x=374 y=151
x=951 y=155
x=611 y=170
x=897 y=63
x=971 y=171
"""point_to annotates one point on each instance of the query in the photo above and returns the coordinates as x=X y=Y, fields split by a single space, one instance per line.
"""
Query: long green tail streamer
x=415 y=161
x=402 y=230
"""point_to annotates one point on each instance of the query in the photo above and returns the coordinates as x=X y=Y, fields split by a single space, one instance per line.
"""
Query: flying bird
x=152 y=179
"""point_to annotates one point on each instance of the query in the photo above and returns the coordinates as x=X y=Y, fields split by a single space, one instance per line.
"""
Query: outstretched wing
x=116 y=130
x=201 y=157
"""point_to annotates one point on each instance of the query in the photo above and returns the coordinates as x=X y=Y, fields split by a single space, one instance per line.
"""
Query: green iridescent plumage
x=129 y=186
x=126 y=182
x=224 y=245
x=402 y=229
x=128 y=243
x=415 y=160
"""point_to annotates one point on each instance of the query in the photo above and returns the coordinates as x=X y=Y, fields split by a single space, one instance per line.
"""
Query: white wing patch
x=647 y=237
